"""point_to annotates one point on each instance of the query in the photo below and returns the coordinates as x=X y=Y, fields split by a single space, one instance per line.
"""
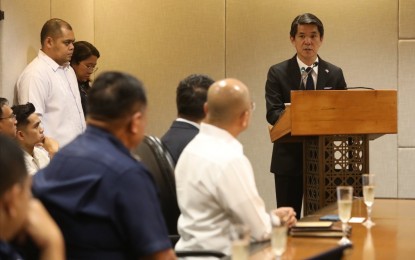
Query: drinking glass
x=240 y=237
x=368 y=183
x=278 y=235
x=344 y=204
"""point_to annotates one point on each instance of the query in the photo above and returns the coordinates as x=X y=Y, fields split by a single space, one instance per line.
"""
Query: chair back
x=154 y=155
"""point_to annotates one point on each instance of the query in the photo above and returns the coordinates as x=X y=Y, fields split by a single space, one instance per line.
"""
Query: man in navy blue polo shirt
x=103 y=199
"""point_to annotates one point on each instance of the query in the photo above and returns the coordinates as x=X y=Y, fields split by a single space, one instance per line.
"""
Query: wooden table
x=393 y=237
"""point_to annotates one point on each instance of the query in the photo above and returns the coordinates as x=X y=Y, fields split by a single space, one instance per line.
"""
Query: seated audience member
x=8 y=124
x=29 y=135
x=84 y=63
x=20 y=215
x=214 y=179
x=104 y=200
x=7 y=119
x=190 y=98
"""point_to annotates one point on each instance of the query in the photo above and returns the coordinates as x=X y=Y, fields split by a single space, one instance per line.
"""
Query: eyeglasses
x=253 y=106
x=92 y=69
x=12 y=116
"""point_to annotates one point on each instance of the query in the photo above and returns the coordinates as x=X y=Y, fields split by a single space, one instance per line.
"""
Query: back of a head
x=12 y=164
x=115 y=95
x=52 y=28
x=227 y=99
x=82 y=51
x=191 y=95
x=306 y=18
x=22 y=113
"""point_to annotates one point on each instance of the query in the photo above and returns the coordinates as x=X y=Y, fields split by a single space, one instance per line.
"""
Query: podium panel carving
x=331 y=161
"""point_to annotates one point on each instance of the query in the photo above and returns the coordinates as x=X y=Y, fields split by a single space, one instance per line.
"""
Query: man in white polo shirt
x=30 y=136
x=50 y=84
x=214 y=179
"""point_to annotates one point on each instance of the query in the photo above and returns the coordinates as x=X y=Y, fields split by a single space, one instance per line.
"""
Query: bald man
x=214 y=179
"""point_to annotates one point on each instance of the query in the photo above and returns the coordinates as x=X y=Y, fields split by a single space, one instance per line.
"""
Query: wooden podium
x=335 y=127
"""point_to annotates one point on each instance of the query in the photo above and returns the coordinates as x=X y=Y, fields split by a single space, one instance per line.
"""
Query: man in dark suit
x=191 y=95
x=305 y=71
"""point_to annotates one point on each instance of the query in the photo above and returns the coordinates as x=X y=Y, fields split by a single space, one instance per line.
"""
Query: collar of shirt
x=303 y=65
x=222 y=134
x=55 y=66
x=189 y=122
x=33 y=158
x=105 y=134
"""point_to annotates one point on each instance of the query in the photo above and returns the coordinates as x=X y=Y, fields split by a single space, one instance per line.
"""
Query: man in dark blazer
x=305 y=71
x=191 y=95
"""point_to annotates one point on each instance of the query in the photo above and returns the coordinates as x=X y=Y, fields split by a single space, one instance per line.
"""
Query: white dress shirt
x=39 y=160
x=54 y=92
x=314 y=73
x=215 y=189
x=189 y=122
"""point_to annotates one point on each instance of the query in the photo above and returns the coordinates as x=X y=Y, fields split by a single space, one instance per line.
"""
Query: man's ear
x=136 y=120
x=205 y=108
x=292 y=39
x=245 y=119
x=48 y=42
x=19 y=135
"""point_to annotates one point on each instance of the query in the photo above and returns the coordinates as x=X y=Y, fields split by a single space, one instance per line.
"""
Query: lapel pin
x=327 y=71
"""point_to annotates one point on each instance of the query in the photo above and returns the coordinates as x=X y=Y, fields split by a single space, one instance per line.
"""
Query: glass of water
x=368 y=183
x=344 y=205
x=278 y=235
x=240 y=239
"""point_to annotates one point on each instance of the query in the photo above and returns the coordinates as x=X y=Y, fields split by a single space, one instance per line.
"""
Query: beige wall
x=163 y=41
x=406 y=81
x=20 y=38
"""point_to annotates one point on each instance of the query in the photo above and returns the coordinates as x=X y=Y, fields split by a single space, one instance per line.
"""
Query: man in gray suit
x=191 y=95
x=305 y=71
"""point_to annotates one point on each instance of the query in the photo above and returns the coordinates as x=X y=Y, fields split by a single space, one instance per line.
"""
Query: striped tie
x=310 y=82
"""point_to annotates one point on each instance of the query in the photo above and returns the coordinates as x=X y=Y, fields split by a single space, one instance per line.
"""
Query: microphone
x=304 y=74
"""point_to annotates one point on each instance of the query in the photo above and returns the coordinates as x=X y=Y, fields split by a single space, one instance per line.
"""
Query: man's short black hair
x=114 y=95
x=191 y=95
x=22 y=113
x=306 y=18
x=12 y=164
x=53 y=28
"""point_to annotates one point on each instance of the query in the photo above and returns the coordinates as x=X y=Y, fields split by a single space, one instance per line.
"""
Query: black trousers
x=289 y=191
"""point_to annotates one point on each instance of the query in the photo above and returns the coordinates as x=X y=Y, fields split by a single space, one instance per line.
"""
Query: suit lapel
x=323 y=74
x=294 y=73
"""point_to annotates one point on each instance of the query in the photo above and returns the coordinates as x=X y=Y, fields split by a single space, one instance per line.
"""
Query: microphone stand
x=303 y=77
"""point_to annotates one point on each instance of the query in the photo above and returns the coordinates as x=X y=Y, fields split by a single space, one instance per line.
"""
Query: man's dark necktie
x=309 y=85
